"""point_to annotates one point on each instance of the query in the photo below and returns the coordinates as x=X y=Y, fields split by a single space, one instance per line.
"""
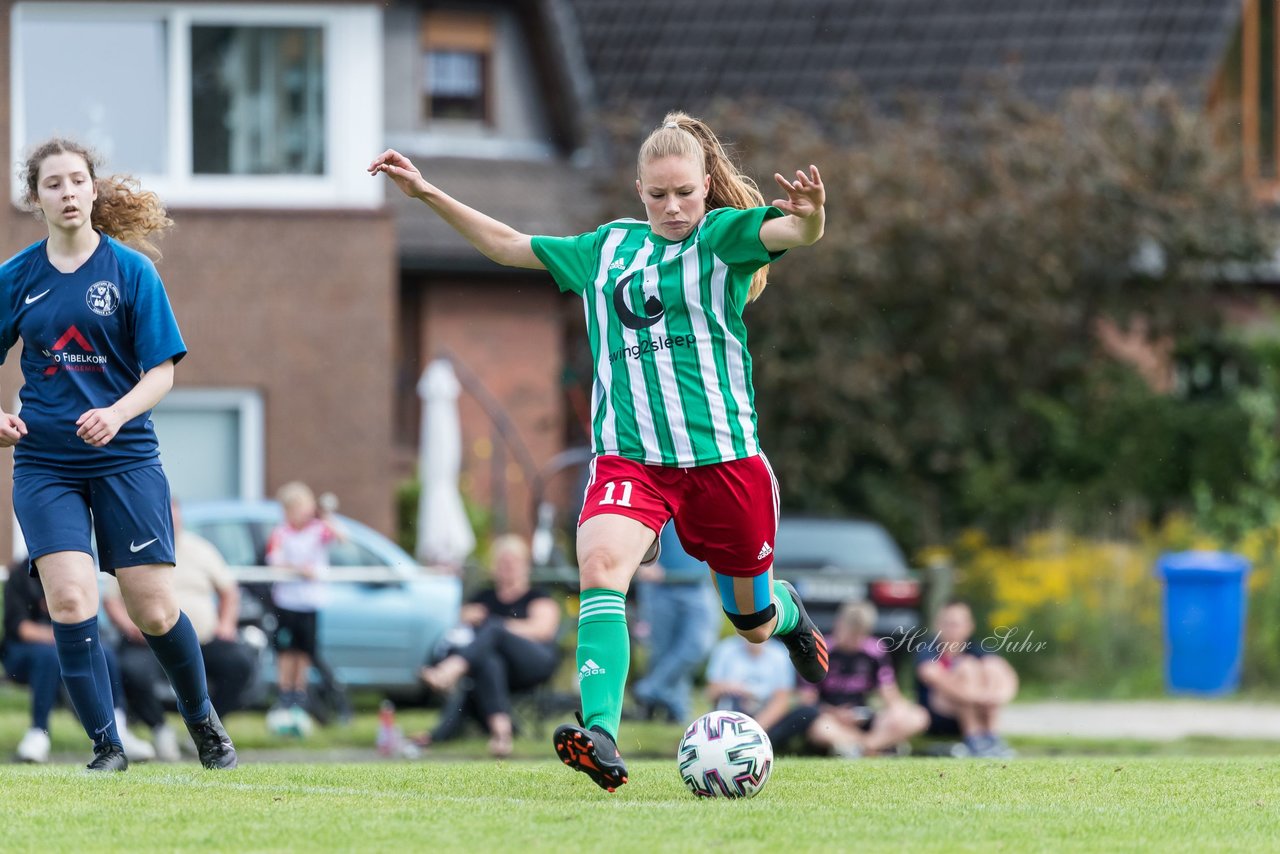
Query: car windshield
x=351 y=553
x=235 y=540
x=804 y=543
x=243 y=543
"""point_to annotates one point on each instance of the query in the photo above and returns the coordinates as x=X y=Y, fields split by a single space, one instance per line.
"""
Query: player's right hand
x=11 y=430
x=401 y=170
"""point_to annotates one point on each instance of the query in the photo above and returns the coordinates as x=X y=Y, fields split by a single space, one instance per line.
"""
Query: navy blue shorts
x=129 y=513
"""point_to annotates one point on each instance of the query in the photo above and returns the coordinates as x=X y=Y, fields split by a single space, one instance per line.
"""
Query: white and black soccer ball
x=725 y=755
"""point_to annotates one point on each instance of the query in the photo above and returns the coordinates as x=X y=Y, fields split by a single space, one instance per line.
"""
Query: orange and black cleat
x=805 y=643
x=593 y=752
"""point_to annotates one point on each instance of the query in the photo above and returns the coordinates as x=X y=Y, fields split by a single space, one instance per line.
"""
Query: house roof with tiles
x=655 y=54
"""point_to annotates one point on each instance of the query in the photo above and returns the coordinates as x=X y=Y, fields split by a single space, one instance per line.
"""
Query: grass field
x=1092 y=795
x=1174 y=804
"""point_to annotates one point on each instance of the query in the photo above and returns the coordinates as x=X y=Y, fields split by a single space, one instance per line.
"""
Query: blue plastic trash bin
x=1204 y=608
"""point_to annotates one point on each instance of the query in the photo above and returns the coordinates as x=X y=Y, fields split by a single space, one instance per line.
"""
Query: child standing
x=300 y=546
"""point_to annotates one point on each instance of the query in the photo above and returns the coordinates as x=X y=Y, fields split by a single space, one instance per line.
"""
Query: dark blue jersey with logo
x=87 y=337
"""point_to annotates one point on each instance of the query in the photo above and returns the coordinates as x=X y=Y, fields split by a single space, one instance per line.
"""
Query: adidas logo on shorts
x=765 y=551
x=590 y=668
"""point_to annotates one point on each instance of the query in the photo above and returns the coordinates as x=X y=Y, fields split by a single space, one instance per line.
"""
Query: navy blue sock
x=84 y=672
x=178 y=651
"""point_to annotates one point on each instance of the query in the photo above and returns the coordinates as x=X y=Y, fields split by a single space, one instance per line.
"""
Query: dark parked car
x=832 y=561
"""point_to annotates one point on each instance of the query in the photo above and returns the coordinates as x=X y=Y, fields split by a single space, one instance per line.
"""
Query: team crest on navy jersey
x=103 y=298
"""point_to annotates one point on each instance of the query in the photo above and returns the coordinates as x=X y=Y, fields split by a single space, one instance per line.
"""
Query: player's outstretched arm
x=806 y=214
x=496 y=240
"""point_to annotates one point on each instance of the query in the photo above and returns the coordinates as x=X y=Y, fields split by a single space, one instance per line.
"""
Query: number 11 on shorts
x=624 y=501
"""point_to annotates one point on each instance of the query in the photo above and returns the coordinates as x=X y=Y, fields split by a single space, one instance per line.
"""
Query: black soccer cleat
x=805 y=643
x=213 y=745
x=108 y=757
x=593 y=752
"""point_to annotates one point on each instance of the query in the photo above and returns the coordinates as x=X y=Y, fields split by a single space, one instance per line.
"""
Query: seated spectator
x=753 y=678
x=30 y=657
x=210 y=598
x=962 y=686
x=836 y=715
x=679 y=609
x=506 y=642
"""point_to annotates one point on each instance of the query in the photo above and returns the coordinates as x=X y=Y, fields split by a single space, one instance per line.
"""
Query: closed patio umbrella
x=444 y=532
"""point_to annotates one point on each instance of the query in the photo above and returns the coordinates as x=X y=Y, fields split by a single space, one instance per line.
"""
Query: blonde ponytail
x=681 y=135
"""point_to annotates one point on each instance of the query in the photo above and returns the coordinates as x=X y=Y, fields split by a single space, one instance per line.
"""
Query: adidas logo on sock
x=765 y=551
x=590 y=668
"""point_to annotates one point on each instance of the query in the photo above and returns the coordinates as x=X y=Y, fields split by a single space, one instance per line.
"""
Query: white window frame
x=246 y=401
x=353 y=102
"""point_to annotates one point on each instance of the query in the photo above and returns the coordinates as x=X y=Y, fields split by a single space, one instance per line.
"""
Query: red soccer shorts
x=725 y=514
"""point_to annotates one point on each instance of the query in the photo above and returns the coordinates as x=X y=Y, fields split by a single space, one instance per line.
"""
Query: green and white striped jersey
x=664 y=319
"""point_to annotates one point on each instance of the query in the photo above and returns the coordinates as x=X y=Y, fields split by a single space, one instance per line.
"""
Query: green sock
x=788 y=613
x=604 y=654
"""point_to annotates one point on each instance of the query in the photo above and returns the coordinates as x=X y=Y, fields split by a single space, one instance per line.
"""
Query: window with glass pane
x=127 y=125
x=257 y=100
x=202 y=450
x=455 y=85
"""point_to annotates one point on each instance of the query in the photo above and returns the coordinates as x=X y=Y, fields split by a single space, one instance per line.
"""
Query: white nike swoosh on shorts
x=136 y=549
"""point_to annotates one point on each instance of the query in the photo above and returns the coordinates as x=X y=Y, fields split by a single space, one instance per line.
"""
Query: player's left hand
x=805 y=195
x=99 y=426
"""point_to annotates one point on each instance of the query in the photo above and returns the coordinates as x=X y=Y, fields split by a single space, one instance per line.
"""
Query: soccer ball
x=725 y=755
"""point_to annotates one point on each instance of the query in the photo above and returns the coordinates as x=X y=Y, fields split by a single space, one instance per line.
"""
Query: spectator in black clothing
x=512 y=629
x=30 y=657
x=836 y=716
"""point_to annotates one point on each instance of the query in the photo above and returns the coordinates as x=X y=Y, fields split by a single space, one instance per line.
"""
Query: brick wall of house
x=509 y=334
x=299 y=306
x=302 y=307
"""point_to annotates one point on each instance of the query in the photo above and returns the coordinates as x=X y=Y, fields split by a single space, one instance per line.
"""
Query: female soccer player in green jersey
x=673 y=416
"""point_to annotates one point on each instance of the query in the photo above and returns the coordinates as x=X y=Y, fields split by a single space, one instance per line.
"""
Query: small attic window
x=457 y=61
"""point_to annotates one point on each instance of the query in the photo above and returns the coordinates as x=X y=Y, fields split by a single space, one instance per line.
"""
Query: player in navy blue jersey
x=99 y=345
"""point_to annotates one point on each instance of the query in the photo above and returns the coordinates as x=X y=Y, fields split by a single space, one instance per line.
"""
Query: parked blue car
x=385 y=613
